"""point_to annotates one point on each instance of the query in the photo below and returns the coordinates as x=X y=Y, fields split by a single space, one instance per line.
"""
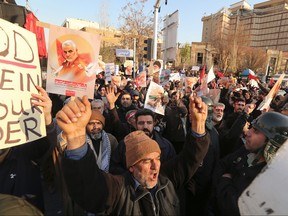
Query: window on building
x=200 y=58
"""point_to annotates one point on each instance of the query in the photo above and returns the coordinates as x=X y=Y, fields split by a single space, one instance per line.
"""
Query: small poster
x=140 y=80
x=164 y=77
x=154 y=98
x=109 y=71
x=189 y=83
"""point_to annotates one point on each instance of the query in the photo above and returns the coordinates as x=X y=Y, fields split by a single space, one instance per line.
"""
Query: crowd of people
x=111 y=156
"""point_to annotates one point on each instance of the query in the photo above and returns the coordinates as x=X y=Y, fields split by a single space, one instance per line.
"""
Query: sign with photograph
x=73 y=62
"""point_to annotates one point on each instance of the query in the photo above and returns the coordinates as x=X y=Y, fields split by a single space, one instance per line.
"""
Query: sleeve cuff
x=77 y=154
x=196 y=135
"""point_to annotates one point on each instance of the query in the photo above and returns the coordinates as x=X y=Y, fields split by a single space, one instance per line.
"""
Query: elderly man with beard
x=101 y=143
x=218 y=113
x=148 y=188
x=145 y=121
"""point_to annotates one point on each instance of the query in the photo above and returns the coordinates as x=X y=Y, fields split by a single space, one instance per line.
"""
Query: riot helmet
x=274 y=126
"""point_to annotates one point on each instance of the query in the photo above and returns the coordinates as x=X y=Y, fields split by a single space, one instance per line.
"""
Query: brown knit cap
x=96 y=115
x=138 y=144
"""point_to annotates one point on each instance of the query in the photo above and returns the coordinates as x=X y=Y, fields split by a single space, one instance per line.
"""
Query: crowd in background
x=230 y=164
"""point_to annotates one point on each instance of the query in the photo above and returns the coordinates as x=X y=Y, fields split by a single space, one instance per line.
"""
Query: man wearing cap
x=101 y=143
x=145 y=121
x=145 y=189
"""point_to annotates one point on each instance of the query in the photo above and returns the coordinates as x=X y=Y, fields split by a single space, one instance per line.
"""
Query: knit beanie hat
x=12 y=205
x=96 y=115
x=138 y=145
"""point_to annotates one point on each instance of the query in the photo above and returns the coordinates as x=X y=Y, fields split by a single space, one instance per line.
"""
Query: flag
x=268 y=98
x=250 y=76
x=202 y=73
x=210 y=75
x=219 y=74
x=271 y=82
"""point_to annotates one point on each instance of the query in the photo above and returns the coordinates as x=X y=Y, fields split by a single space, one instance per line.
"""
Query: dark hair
x=144 y=111
x=157 y=63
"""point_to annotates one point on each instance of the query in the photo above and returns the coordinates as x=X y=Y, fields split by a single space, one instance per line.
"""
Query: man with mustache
x=145 y=121
x=145 y=189
x=218 y=113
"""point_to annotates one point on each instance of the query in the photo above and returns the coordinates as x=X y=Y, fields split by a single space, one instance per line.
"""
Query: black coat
x=227 y=191
x=20 y=171
x=97 y=191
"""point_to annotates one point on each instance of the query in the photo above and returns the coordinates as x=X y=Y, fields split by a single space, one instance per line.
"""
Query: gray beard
x=96 y=136
x=217 y=119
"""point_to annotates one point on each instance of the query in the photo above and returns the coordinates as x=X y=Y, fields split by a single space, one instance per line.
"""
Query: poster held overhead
x=73 y=62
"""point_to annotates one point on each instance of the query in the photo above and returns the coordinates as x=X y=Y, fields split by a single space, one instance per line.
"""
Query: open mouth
x=154 y=176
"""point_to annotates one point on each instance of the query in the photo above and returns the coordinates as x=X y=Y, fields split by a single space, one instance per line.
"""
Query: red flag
x=271 y=82
x=30 y=25
x=202 y=73
x=250 y=76
x=219 y=74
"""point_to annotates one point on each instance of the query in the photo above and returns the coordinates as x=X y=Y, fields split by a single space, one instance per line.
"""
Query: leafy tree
x=185 y=54
x=134 y=23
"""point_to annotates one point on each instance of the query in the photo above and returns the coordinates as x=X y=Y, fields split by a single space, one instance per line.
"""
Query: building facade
x=265 y=26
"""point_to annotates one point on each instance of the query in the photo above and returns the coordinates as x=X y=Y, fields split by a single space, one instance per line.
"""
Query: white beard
x=217 y=119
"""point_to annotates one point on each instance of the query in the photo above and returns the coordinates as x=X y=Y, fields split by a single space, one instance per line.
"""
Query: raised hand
x=72 y=119
x=198 y=114
x=42 y=99
x=111 y=97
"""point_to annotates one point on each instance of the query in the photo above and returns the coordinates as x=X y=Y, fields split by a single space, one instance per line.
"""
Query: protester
x=125 y=105
x=175 y=119
x=20 y=165
x=145 y=121
x=218 y=113
x=144 y=184
x=233 y=128
x=198 y=189
x=12 y=205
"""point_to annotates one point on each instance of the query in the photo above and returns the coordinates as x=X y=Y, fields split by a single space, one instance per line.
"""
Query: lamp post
x=156 y=9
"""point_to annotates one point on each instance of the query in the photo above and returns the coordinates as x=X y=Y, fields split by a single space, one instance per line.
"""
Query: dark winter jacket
x=97 y=191
x=20 y=171
x=228 y=190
